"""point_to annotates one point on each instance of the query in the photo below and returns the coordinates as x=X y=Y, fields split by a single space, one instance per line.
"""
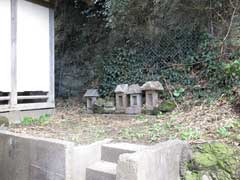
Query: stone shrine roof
x=121 y=88
x=134 y=89
x=152 y=86
x=91 y=93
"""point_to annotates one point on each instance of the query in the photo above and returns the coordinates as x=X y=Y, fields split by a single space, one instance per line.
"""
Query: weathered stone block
x=151 y=89
x=25 y=158
x=91 y=96
x=84 y=156
x=160 y=162
x=121 y=98
x=135 y=94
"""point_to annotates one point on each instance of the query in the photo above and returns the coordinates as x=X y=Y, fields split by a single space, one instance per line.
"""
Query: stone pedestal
x=135 y=104
x=151 y=89
x=121 y=98
x=135 y=95
x=121 y=102
x=151 y=98
x=90 y=102
x=91 y=96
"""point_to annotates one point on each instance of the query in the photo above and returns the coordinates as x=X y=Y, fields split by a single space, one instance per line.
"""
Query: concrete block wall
x=84 y=156
x=25 y=157
x=159 y=162
x=29 y=158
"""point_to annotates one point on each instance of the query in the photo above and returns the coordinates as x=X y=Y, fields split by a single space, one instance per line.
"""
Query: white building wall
x=33 y=51
x=5 y=46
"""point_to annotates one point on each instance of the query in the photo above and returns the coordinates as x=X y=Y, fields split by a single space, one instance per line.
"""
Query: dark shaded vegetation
x=185 y=43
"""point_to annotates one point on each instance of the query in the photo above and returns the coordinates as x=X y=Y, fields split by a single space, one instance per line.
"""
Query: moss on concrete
x=167 y=106
x=219 y=161
x=193 y=176
x=205 y=160
x=4 y=121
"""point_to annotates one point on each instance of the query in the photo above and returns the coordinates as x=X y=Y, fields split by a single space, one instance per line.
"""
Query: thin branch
x=211 y=18
x=221 y=17
x=235 y=7
x=230 y=25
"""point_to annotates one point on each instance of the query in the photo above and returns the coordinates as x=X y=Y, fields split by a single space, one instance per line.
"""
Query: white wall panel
x=5 y=45
x=32 y=47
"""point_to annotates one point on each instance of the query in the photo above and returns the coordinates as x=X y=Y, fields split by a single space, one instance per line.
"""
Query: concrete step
x=101 y=170
x=111 y=152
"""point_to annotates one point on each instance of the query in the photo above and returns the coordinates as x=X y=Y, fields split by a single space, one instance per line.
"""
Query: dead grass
x=198 y=124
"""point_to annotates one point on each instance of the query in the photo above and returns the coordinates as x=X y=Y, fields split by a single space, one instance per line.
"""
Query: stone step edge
x=104 y=167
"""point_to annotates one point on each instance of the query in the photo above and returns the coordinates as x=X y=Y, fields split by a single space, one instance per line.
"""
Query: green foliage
x=205 y=160
x=167 y=106
x=100 y=134
x=169 y=124
x=130 y=133
x=156 y=112
x=193 y=176
x=27 y=121
x=159 y=114
x=139 y=64
x=134 y=41
x=230 y=131
x=213 y=74
x=235 y=124
x=176 y=52
x=218 y=161
x=141 y=118
x=223 y=132
x=178 y=92
x=233 y=69
x=123 y=66
x=164 y=107
x=42 y=120
x=190 y=134
x=206 y=62
x=151 y=132
x=156 y=131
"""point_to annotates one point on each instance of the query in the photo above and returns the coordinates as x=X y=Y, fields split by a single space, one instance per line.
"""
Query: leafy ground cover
x=214 y=161
x=195 y=122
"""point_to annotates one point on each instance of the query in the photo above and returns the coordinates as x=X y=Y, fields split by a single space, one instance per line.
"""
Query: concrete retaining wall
x=84 y=156
x=29 y=158
x=160 y=162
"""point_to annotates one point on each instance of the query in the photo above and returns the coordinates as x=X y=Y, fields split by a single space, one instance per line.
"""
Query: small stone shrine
x=135 y=99
x=151 y=89
x=91 y=95
x=121 y=98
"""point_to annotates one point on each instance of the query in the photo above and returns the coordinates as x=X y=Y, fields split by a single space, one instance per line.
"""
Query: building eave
x=45 y=3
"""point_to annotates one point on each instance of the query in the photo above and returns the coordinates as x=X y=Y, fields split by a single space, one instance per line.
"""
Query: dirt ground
x=196 y=123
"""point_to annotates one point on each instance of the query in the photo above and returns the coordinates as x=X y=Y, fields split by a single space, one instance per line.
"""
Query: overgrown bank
x=186 y=43
x=196 y=123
